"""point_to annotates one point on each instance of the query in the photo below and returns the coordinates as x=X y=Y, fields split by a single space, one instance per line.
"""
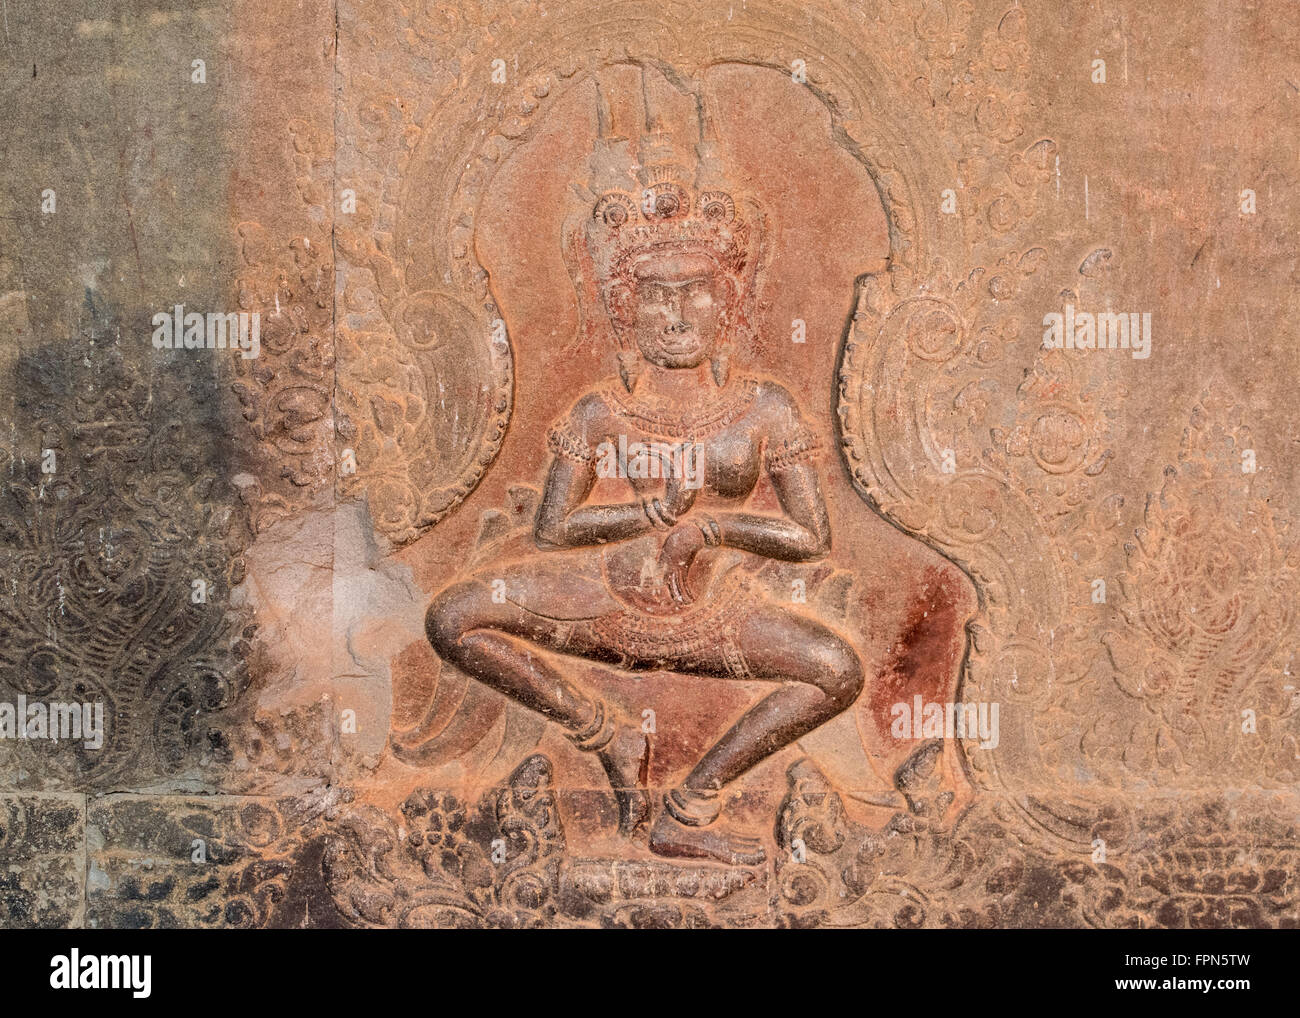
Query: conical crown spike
x=612 y=164
x=708 y=156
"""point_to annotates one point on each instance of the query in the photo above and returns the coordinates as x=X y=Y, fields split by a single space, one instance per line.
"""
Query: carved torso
x=743 y=429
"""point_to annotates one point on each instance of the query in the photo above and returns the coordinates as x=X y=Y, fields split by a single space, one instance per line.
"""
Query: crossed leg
x=820 y=674
x=821 y=677
x=493 y=643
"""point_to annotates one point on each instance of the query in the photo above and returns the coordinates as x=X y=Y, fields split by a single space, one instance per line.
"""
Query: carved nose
x=676 y=327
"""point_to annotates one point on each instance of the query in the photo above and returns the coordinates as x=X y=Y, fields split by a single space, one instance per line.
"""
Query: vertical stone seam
x=334 y=728
x=79 y=921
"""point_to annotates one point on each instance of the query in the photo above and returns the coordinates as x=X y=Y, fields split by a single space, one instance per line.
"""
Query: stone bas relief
x=653 y=503
x=664 y=569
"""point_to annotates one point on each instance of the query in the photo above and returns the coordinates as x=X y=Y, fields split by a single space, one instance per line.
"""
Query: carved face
x=677 y=309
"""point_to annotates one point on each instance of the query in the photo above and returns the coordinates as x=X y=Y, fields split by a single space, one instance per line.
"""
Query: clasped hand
x=684 y=539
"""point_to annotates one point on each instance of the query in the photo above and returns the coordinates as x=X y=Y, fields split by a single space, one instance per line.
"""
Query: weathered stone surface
x=217 y=861
x=42 y=861
x=375 y=632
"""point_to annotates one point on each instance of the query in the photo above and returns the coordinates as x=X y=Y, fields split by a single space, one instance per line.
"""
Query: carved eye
x=613 y=210
x=717 y=206
x=666 y=205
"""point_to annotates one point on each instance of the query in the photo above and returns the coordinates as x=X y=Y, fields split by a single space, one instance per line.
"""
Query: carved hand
x=676 y=556
x=678 y=498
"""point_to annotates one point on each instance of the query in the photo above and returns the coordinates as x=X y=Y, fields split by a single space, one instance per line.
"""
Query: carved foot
x=675 y=840
x=626 y=760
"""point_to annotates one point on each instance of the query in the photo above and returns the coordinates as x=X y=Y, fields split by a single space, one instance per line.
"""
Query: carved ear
x=721 y=367
x=629 y=368
x=732 y=313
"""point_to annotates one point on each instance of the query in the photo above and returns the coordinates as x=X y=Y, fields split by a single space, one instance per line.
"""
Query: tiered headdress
x=647 y=205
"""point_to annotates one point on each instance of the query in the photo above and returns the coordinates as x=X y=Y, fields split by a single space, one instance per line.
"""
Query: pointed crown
x=648 y=204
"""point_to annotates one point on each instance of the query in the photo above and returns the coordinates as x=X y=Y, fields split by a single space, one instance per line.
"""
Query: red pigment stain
x=926 y=655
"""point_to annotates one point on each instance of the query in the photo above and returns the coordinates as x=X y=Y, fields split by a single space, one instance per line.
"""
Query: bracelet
x=659 y=518
x=711 y=531
x=597 y=735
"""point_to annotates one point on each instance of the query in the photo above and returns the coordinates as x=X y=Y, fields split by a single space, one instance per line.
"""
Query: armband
x=800 y=447
x=563 y=442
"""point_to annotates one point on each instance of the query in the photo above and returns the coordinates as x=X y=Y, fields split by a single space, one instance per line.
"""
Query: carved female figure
x=653 y=569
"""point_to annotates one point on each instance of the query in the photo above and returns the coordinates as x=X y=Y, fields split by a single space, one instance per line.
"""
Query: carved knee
x=842 y=677
x=450 y=617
